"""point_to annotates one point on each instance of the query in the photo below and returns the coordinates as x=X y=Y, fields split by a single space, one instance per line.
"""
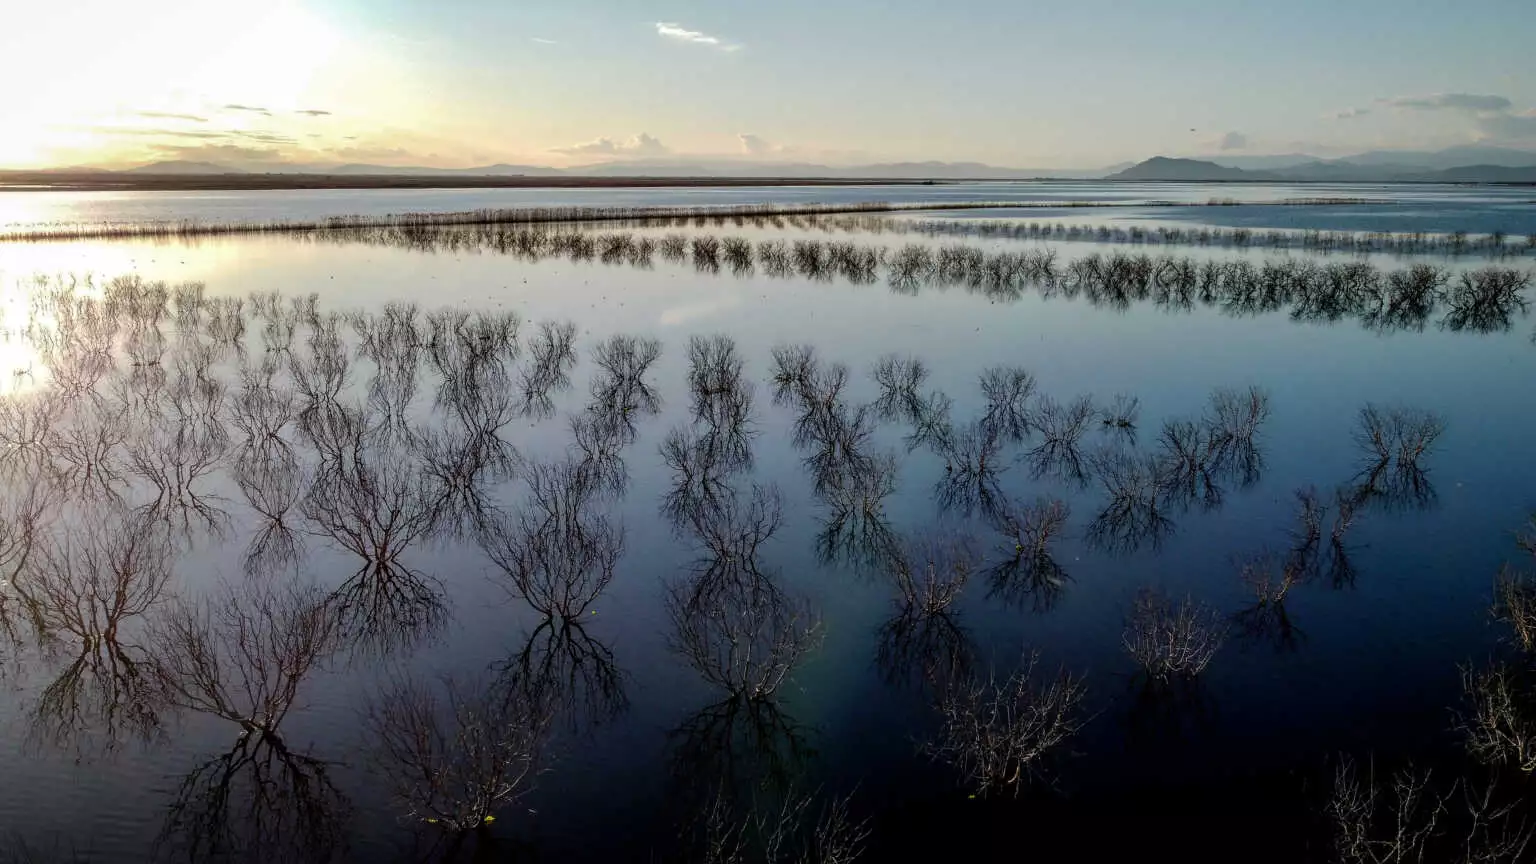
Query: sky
x=1017 y=83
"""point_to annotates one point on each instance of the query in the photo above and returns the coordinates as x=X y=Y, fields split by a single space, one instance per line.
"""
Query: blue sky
x=1061 y=84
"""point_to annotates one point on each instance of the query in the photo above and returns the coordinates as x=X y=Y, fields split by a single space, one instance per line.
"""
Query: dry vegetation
x=999 y=734
x=1172 y=640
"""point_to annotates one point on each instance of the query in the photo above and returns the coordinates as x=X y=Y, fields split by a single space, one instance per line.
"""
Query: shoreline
x=56 y=181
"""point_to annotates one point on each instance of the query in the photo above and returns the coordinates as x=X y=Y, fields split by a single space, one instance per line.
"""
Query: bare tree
x=453 y=753
x=376 y=504
x=930 y=572
x=1027 y=570
x=998 y=734
x=1515 y=604
x=1393 y=441
x=258 y=801
x=243 y=656
x=971 y=467
x=742 y=635
x=1499 y=727
x=1133 y=515
x=620 y=386
x=575 y=670
x=855 y=530
x=769 y=833
x=1376 y=826
x=1172 y=641
x=1061 y=426
x=272 y=481
x=1008 y=390
x=88 y=582
x=1121 y=415
x=900 y=379
x=560 y=553
x=1270 y=578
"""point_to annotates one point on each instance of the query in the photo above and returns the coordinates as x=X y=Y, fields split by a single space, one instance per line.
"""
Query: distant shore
x=54 y=181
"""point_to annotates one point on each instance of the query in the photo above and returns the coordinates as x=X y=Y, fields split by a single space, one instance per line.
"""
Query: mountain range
x=1456 y=164
x=1376 y=167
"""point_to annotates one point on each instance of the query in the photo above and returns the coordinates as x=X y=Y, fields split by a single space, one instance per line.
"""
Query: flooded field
x=920 y=534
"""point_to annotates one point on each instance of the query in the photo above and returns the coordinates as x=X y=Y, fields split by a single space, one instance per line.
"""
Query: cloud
x=313 y=112
x=639 y=146
x=196 y=134
x=265 y=137
x=251 y=108
x=1508 y=128
x=1450 y=102
x=161 y=115
x=1233 y=141
x=232 y=155
x=153 y=132
x=372 y=154
x=754 y=145
x=545 y=41
x=670 y=30
x=1351 y=113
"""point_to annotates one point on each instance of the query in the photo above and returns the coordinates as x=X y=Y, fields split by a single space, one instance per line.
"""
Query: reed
x=408 y=222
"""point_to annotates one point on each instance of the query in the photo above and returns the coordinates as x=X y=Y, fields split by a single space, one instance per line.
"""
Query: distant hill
x=407 y=171
x=1487 y=174
x=1451 y=157
x=1194 y=170
x=753 y=168
x=1263 y=163
x=182 y=166
x=1338 y=171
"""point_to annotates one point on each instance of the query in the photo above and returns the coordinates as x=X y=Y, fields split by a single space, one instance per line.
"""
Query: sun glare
x=83 y=80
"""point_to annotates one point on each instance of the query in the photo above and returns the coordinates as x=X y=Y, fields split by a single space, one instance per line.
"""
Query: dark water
x=261 y=529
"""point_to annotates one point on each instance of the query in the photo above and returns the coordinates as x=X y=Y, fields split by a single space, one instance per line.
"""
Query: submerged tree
x=1393 y=441
x=924 y=642
x=560 y=553
x=87 y=586
x=999 y=734
x=1134 y=514
x=453 y=752
x=376 y=504
x=243 y=657
x=775 y=832
x=1026 y=571
x=1172 y=641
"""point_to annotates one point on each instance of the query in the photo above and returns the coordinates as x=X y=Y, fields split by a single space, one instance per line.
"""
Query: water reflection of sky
x=1377 y=669
x=36 y=207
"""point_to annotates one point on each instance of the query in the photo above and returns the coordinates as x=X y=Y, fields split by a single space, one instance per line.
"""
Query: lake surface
x=664 y=523
x=1394 y=207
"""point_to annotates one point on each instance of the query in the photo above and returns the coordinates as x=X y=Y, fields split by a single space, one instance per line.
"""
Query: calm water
x=356 y=446
x=1399 y=207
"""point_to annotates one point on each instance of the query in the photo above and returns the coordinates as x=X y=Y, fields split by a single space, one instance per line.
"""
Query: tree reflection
x=573 y=669
x=243 y=657
x=620 y=388
x=923 y=643
x=1392 y=442
x=1061 y=426
x=1134 y=515
x=744 y=635
x=552 y=355
x=855 y=530
x=1027 y=573
x=560 y=553
x=89 y=582
x=377 y=504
